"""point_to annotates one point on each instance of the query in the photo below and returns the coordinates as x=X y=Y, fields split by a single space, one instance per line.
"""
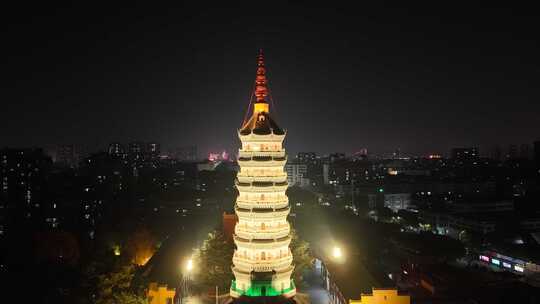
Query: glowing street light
x=189 y=265
x=336 y=252
x=185 y=276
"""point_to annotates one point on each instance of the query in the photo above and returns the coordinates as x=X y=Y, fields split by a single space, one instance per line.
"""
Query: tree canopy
x=214 y=259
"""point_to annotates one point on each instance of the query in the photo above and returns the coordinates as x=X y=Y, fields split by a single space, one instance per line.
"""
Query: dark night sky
x=420 y=78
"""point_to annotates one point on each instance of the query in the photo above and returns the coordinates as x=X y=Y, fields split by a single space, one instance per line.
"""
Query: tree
x=302 y=257
x=384 y=214
x=116 y=287
x=214 y=259
x=299 y=195
x=408 y=218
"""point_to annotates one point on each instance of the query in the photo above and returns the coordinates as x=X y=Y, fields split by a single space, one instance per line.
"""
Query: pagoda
x=262 y=261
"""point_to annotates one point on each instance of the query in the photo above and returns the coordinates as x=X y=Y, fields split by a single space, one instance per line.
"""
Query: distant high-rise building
x=23 y=177
x=67 y=155
x=465 y=154
x=536 y=145
x=336 y=156
x=512 y=152
x=136 y=148
x=116 y=149
x=306 y=157
x=187 y=153
x=297 y=174
x=397 y=201
x=314 y=169
x=525 y=151
x=153 y=149
x=218 y=156
x=326 y=171
x=496 y=152
x=396 y=154
x=361 y=154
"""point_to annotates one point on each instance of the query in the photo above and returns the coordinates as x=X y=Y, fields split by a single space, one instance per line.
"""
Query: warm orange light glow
x=116 y=250
x=336 y=253
x=189 y=265
x=142 y=257
x=260 y=107
x=144 y=261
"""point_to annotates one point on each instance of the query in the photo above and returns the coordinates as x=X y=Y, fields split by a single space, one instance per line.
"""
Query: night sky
x=423 y=79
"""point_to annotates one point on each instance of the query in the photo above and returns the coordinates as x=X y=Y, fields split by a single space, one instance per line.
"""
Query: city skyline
x=265 y=153
x=417 y=79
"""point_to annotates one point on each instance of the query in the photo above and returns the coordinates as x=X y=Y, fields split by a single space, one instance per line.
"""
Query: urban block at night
x=405 y=167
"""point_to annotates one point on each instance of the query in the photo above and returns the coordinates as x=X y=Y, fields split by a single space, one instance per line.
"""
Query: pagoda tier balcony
x=263 y=224
x=261 y=214
x=262 y=204
x=261 y=244
x=251 y=232
x=257 y=217
x=281 y=178
x=262 y=198
x=262 y=235
x=251 y=137
x=262 y=186
x=247 y=195
x=249 y=154
x=262 y=161
x=258 y=265
x=274 y=217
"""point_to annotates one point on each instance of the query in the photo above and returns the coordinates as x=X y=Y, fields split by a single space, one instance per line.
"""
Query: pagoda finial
x=261 y=91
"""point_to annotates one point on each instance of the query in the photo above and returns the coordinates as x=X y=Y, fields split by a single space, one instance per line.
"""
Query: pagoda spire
x=261 y=89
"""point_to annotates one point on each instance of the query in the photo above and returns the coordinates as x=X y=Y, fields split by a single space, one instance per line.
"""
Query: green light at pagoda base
x=262 y=289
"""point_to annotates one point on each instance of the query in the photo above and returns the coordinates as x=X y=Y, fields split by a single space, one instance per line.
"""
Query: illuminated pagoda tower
x=262 y=261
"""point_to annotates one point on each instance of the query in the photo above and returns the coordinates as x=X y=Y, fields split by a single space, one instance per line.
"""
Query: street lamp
x=336 y=252
x=186 y=277
x=189 y=265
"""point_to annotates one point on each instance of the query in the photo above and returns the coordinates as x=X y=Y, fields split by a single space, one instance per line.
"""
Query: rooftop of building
x=524 y=252
x=261 y=124
x=355 y=277
x=462 y=286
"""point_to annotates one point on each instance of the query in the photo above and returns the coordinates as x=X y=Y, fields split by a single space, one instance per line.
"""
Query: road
x=317 y=294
